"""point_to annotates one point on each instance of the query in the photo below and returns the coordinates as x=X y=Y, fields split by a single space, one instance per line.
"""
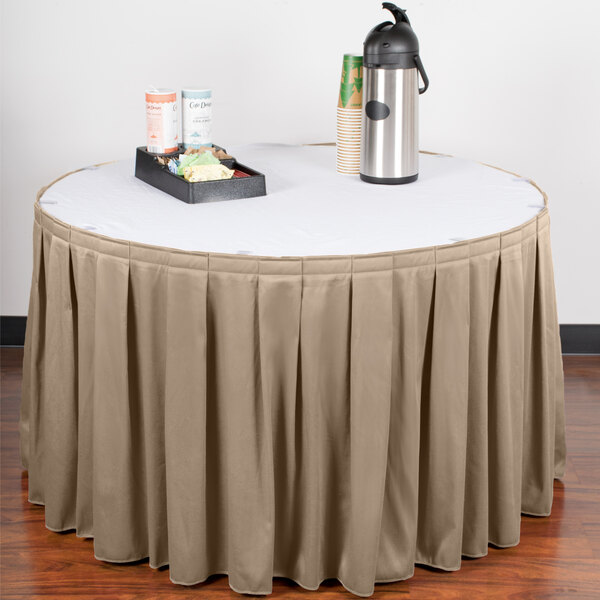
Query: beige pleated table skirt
x=309 y=417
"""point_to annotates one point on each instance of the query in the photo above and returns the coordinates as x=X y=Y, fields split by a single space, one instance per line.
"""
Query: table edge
x=83 y=232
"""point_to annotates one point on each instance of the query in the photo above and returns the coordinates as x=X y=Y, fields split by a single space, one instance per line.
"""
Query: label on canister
x=162 y=123
x=197 y=117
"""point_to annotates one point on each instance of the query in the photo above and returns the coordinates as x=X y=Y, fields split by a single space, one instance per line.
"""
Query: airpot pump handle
x=423 y=74
x=399 y=14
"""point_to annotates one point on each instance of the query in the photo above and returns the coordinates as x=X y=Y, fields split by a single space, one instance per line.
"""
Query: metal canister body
x=390 y=111
x=390 y=126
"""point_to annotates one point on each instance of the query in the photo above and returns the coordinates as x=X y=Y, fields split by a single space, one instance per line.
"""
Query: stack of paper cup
x=349 y=111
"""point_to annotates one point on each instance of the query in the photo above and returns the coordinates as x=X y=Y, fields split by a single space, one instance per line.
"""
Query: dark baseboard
x=580 y=339
x=12 y=331
x=576 y=339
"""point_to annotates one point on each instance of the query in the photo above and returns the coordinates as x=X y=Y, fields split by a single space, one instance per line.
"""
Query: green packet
x=190 y=160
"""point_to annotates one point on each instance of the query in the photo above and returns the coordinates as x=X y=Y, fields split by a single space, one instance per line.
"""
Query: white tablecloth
x=309 y=209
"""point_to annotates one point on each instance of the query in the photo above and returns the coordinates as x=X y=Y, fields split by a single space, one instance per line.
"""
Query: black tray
x=149 y=170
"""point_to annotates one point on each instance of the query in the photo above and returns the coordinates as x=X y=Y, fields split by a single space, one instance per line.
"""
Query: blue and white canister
x=197 y=117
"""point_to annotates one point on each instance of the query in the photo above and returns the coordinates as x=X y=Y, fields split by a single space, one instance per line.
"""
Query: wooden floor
x=558 y=557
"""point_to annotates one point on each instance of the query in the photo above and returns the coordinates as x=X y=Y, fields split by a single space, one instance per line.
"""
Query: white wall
x=513 y=83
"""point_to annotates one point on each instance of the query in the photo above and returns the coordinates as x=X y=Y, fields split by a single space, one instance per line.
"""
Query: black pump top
x=391 y=45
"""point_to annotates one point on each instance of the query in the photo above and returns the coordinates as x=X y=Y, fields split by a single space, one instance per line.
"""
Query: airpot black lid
x=391 y=45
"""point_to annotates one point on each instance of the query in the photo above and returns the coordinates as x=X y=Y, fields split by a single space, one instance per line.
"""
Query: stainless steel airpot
x=390 y=120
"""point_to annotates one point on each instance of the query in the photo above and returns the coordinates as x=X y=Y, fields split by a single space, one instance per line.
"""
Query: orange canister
x=162 y=122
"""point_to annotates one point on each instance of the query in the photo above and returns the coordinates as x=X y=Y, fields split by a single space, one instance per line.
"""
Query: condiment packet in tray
x=218 y=153
x=190 y=160
x=199 y=164
x=207 y=173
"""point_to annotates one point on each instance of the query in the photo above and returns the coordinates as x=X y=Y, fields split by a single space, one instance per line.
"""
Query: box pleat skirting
x=312 y=417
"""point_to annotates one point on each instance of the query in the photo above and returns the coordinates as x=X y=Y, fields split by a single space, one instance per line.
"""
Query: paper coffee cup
x=351 y=82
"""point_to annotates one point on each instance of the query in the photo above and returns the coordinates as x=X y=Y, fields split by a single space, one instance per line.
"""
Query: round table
x=336 y=380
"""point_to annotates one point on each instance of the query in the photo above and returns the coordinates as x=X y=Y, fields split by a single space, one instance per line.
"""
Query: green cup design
x=351 y=83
